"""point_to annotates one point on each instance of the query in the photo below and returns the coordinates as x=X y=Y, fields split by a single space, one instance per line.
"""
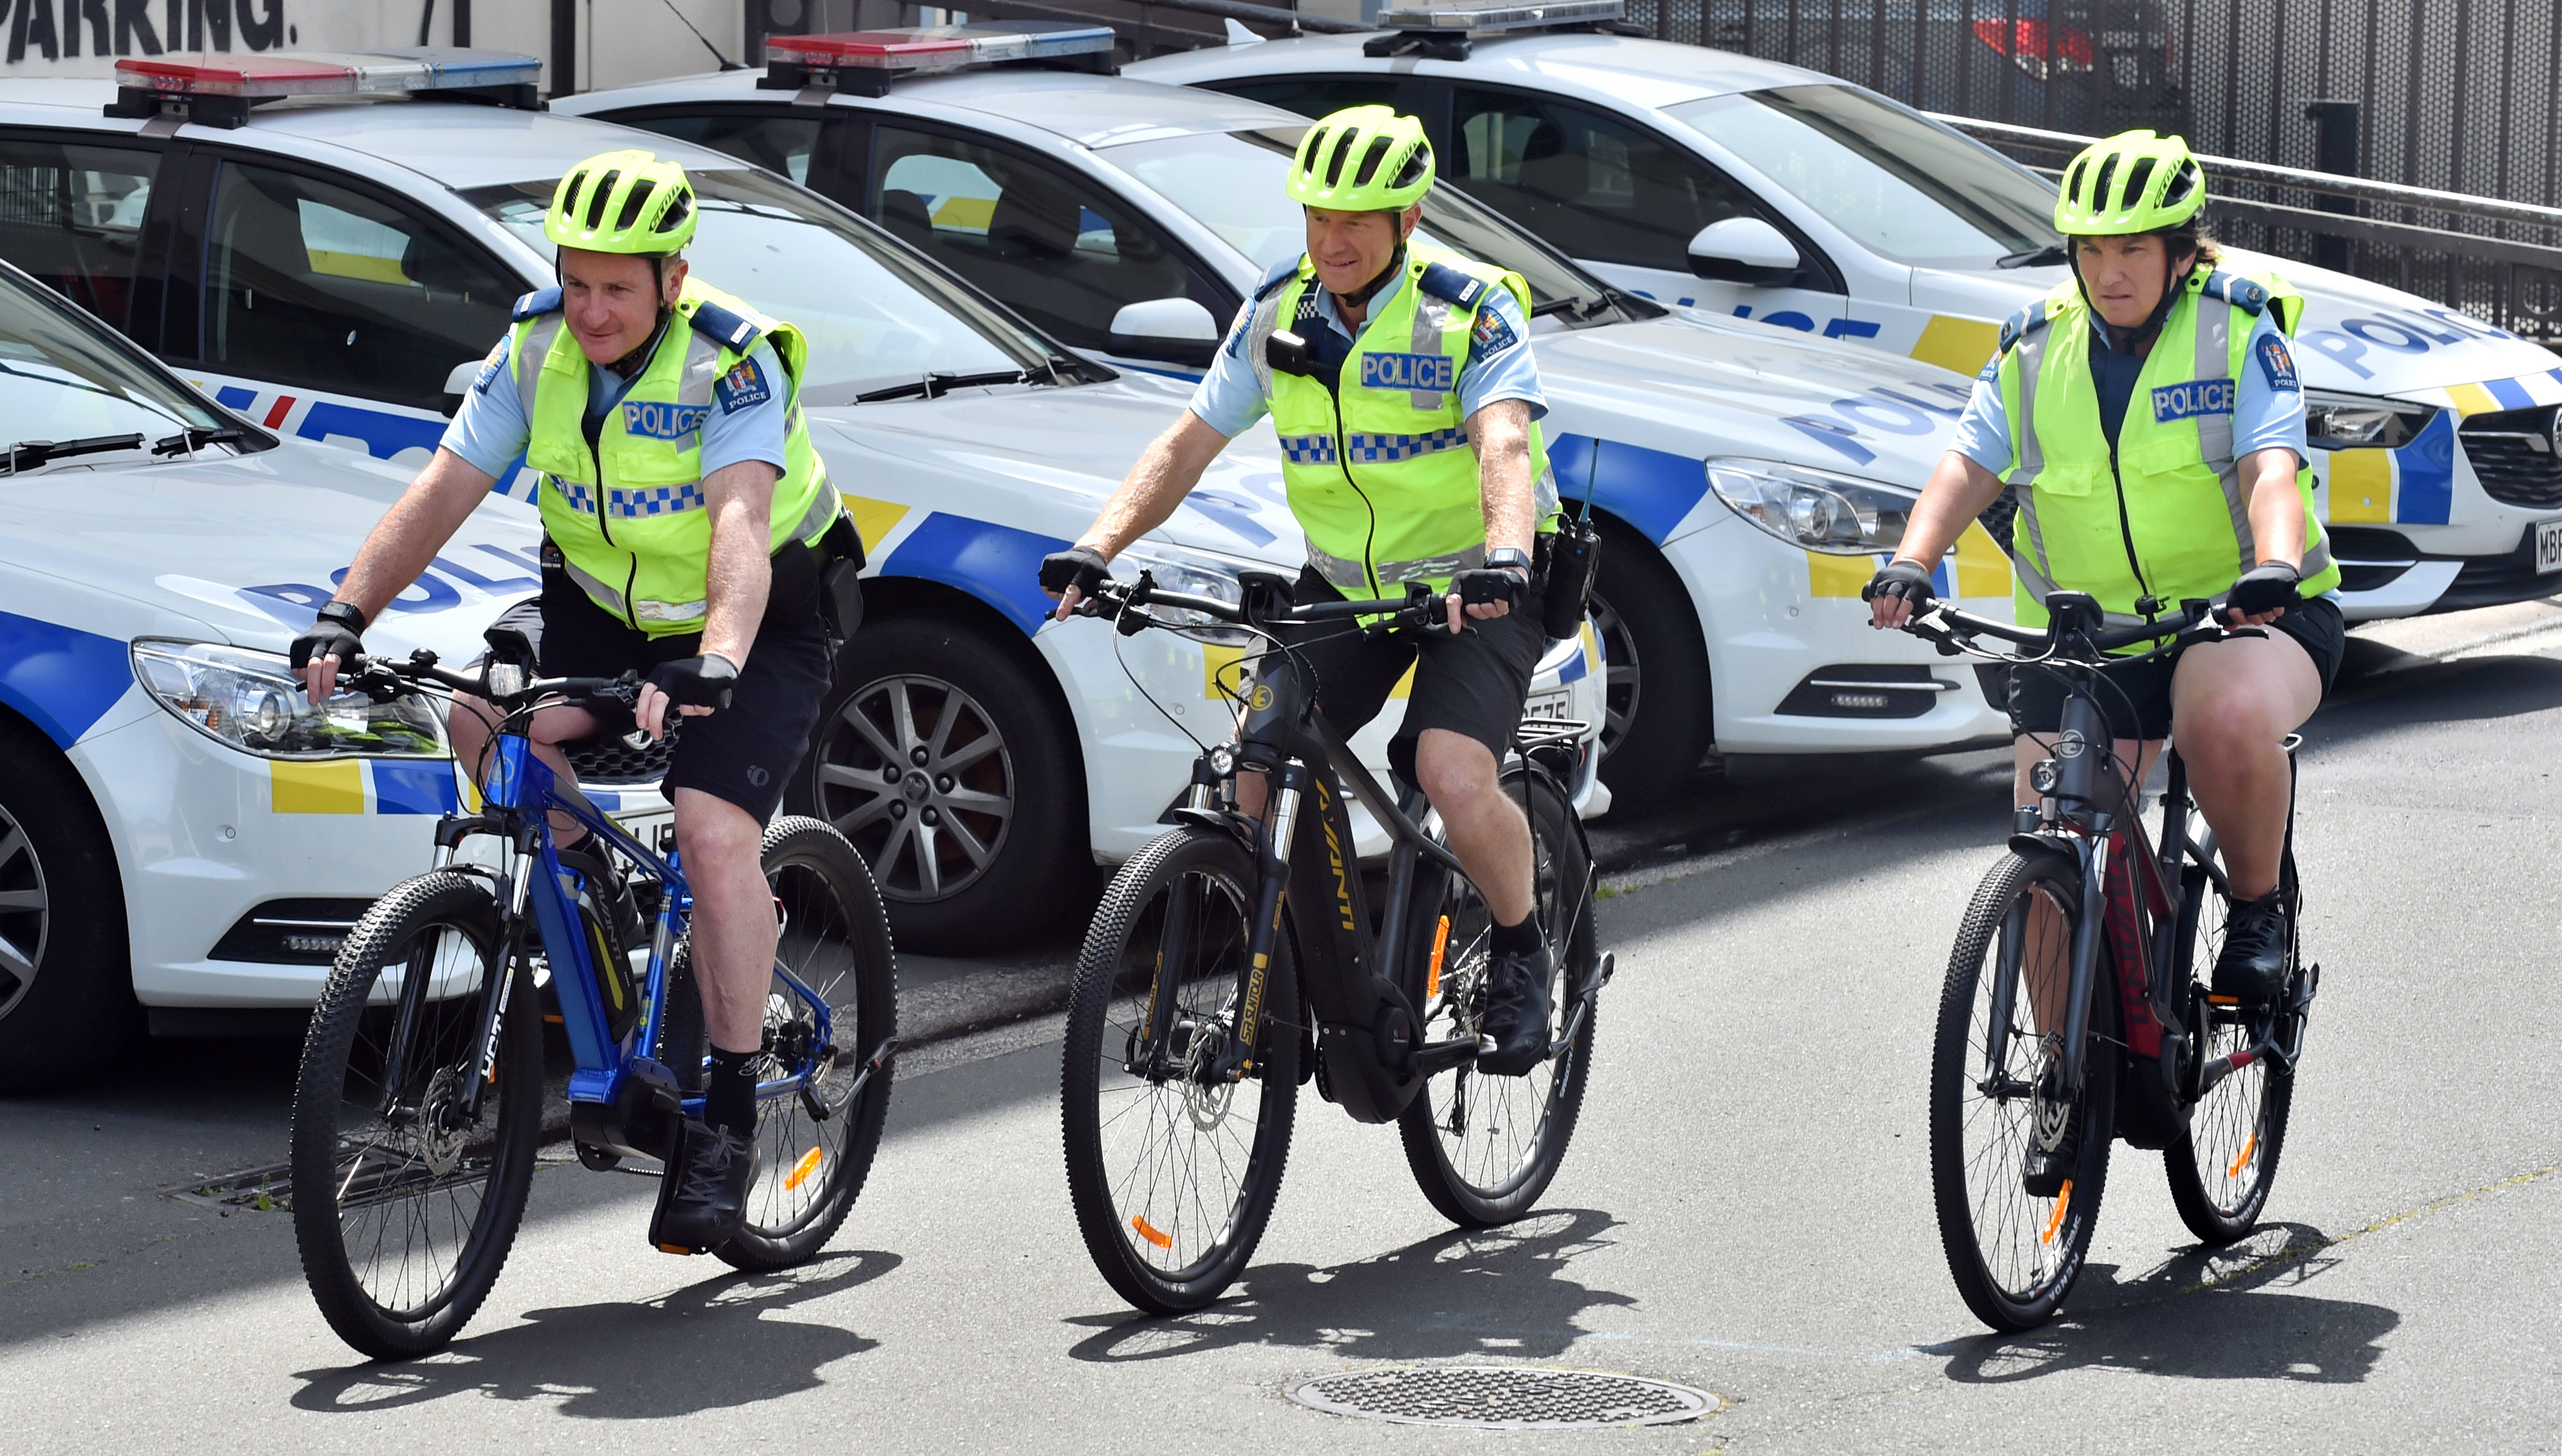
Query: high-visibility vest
x=627 y=511
x=1379 y=469
x=2166 y=515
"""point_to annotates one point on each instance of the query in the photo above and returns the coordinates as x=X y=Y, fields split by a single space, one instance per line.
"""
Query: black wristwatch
x=352 y=617
x=1508 y=559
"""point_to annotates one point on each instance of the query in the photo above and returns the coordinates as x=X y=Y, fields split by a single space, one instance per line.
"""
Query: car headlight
x=2362 y=422
x=1194 y=572
x=1838 y=516
x=253 y=702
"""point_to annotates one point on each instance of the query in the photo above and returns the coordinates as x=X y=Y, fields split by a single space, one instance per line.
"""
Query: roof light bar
x=1497 y=14
x=865 y=63
x=218 y=90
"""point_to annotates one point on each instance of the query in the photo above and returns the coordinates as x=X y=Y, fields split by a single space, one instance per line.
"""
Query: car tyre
x=66 y=970
x=941 y=758
x=1656 y=682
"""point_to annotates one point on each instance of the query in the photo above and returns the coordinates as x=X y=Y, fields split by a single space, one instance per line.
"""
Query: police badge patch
x=1491 y=335
x=741 y=388
x=489 y=367
x=2276 y=363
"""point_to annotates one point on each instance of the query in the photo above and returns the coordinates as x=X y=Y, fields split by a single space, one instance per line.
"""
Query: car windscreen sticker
x=1491 y=335
x=741 y=388
x=2197 y=397
x=2275 y=362
x=661 y=420
x=1405 y=371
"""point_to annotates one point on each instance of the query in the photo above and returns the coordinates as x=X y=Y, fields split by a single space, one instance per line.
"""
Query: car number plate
x=2548 y=547
x=1550 y=705
x=645 y=825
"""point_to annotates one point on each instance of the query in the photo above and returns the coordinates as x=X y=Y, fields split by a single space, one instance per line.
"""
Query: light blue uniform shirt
x=491 y=429
x=1499 y=367
x=2267 y=407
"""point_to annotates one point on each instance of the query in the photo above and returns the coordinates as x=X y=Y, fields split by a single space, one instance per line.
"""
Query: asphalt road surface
x=1744 y=1210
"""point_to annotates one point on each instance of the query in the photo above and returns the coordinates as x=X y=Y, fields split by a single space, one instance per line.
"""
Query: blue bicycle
x=421 y=1098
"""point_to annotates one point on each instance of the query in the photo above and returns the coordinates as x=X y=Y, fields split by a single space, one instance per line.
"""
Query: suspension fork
x=2086 y=957
x=502 y=981
x=1272 y=876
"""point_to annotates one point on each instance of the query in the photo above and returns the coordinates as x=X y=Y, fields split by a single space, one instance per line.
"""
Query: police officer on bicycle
x=1400 y=378
x=2147 y=420
x=682 y=509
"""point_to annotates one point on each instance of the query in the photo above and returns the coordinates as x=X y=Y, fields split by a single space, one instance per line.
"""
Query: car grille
x=628 y=758
x=2514 y=457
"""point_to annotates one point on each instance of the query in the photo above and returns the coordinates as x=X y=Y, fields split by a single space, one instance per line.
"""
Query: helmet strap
x=1360 y=298
x=632 y=363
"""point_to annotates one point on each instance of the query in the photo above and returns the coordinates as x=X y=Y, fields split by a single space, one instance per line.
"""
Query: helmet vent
x=2183 y=183
x=597 y=197
x=2136 y=176
x=633 y=204
x=1418 y=162
x=2100 y=193
x=1343 y=148
x=1371 y=156
x=677 y=211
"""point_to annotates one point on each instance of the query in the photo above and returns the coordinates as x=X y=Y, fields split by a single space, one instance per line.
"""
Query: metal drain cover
x=1502 y=1397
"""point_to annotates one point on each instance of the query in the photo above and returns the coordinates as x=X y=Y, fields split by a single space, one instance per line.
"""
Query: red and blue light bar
x=219 y=89
x=865 y=61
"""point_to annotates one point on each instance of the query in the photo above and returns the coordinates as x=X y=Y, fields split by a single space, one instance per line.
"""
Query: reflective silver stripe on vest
x=605 y=595
x=2031 y=352
x=2215 y=430
x=529 y=360
x=1258 y=331
x=1348 y=577
x=1431 y=321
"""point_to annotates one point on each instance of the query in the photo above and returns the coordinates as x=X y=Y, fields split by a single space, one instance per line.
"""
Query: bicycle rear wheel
x=2013 y=1255
x=404 y=1204
x=1483 y=1149
x=832 y=1005
x=2221 y=1172
x=1174 y=1173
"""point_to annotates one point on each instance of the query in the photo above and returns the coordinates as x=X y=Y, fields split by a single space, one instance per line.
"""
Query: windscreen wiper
x=2047 y=257
x=26 y=455
x=934 y=385
x=196 y=437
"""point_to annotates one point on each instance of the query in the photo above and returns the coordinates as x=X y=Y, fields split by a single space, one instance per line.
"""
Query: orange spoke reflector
x=2246 y=1149
x=1432 y=974
x=2063 y=1200
x=802 y=1170
x=1149 y=1232
x=673 y=1249
x=2224 y=1000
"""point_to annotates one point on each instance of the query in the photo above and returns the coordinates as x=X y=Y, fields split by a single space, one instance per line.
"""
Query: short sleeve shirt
x=2267 y=406
x=746 y=423
x=1499 y=367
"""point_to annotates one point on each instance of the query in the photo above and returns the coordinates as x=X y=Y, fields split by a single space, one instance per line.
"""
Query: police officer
x=682 y=505
x=1406 y=401
x=2150 y=423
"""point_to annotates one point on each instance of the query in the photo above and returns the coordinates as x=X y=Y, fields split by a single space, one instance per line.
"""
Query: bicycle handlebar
x=2066 y=630
x=1421 y=606
x=380 y=678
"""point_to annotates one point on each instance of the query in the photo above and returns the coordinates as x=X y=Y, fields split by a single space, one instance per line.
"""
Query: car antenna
x=726 y=64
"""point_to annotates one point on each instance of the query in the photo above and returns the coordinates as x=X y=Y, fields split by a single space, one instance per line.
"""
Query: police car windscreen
x=1902 y=187
x=873 y=316
x=1232 y=183
x=62 y=379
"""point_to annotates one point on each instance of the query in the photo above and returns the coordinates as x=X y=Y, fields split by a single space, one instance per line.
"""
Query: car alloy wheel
x=915 y=771
x=24 y=914
x=1621 y=672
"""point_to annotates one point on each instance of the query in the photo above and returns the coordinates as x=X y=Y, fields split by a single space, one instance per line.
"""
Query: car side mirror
x=1744 y=251
x=1177 y=330
x=458 y=383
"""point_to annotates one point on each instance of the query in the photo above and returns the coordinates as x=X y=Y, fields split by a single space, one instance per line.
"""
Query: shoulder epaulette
x=730 y=330
x=538 y=303
x=1281 y=273
x=2020 y=324
x=1452 y=285
x=2237 y=290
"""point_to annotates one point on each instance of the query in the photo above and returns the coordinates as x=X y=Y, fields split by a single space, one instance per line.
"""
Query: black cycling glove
x=339 y=633
x=1909 y=580
x=1081 y=567
x=1479 y=586
x=2263 y=588
x=696 y=682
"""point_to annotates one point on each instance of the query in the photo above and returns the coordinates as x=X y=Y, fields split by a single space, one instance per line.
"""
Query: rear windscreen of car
x=1899 y=185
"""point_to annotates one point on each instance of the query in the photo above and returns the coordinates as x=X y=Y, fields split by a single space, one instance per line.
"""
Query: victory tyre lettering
x=66 y=983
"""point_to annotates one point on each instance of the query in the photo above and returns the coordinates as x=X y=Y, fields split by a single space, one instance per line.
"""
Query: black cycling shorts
x=2139 y=707
x=743 y=753
x=1475 y=684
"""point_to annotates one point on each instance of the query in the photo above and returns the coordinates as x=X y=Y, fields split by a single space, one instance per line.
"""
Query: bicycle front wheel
x=1483 y=1149
x=405 y=1193
x=2221 y=1172
x=1997 y=1093
x=1173 y=1168
x=834 y=1002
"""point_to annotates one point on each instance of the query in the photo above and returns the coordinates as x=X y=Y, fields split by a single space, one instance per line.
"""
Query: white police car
x=1740 y=473
x=1778 y=194
x=335 y=266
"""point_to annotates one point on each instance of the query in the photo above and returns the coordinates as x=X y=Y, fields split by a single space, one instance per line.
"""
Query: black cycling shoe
x=2048 y=1173
x=1512 y=1037
x=2252 y=968
x=710 y=1198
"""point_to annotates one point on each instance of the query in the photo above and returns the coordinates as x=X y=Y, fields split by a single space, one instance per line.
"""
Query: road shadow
x=1503 y=1291
x=710 y=1345
x=2234 y=1314
x=2379 y=690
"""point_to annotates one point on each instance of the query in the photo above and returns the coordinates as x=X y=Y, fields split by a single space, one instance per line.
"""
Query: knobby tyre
x=2222 y=1169
x=405 y=1206
x=1172 y=1171
x=814 y=1141
x=1483 y=1149
x=2014 y=1256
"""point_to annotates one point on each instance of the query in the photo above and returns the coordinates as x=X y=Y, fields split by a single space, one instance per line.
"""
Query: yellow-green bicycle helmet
x=2132 y=182
x=622 y=202
x=1363 y=159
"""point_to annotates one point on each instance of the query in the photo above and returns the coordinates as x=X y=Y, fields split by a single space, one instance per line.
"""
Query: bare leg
x=469 y=727
x=734 y=928
x=2234 y=703
x=1486 y=829
x=2046 y=960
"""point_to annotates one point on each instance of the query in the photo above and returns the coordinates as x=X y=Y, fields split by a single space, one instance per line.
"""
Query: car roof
x=1639 y=71
x=1090 y=110
x=459 y=144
